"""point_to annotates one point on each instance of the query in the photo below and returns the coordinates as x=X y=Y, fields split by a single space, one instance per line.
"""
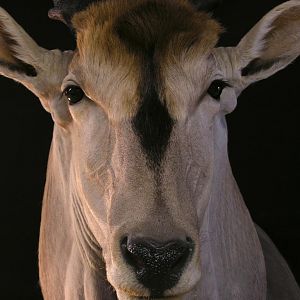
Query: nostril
x=124 y=244
x=158 y=266
x=189 y=241
x=131 y=254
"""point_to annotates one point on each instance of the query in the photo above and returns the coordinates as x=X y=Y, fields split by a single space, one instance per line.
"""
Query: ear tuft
x=9 y=46
x=272 y=44
x=20 y=67
x=258 y=65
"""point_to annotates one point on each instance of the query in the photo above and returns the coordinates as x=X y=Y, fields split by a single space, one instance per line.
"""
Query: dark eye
x=74 y=94
x=216 y=88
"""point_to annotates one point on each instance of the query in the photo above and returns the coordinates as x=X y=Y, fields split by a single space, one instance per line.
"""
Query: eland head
x=140 y=201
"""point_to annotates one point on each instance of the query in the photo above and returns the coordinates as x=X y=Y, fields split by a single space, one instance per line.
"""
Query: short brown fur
x=123 y=32
x=8 y=55
x=284 y=27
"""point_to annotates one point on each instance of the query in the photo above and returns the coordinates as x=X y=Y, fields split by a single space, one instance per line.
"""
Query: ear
x=40 y=70
x=271 y=45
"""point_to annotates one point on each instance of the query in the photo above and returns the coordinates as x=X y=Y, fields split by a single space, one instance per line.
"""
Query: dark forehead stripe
x=151 y=25
x=146 y=30
x=152 y=122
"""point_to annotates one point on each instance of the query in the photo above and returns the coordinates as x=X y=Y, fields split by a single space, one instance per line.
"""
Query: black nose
x=158 y=266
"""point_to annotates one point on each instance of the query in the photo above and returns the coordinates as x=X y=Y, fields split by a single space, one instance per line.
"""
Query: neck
x=56 y=240
x=232 y=259
x=65 y=272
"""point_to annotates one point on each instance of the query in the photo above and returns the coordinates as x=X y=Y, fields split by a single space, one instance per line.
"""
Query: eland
x=140 y=201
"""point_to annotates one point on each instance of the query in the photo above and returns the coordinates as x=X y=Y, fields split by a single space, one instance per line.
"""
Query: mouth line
x=156 y=298
x=152 y=296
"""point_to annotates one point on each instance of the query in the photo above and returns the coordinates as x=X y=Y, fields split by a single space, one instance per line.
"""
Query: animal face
x=135 y=146
x=140 y=109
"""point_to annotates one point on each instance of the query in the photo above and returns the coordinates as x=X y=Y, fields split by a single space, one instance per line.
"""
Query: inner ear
x=271 y=45
x=257 y=65
x=8 y=55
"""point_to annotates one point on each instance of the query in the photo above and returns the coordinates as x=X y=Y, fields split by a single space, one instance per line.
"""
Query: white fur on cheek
x=228 y=100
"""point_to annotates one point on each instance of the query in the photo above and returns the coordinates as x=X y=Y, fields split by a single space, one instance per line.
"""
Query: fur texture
x=122 y=33
x=145 y=67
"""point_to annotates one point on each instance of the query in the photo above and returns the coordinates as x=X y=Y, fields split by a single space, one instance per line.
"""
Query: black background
x=263 y=145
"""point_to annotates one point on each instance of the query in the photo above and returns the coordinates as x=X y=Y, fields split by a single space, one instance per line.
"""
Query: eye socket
x=74 y=94
x=216 y=88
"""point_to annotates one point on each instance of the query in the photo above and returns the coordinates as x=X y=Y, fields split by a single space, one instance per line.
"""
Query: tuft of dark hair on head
x=64 y=10
x=206 y=5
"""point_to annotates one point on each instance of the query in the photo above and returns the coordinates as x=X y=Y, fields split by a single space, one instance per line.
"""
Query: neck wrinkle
x=89 y=248
x=68 y=251
x=56 y=223
x=232 y=259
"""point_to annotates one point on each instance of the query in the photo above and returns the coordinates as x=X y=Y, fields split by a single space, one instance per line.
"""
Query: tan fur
x=107 y=54
x=16 y=46
x=284 y=32
x=100 y=187
x=7 y=44
x=5 y=52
